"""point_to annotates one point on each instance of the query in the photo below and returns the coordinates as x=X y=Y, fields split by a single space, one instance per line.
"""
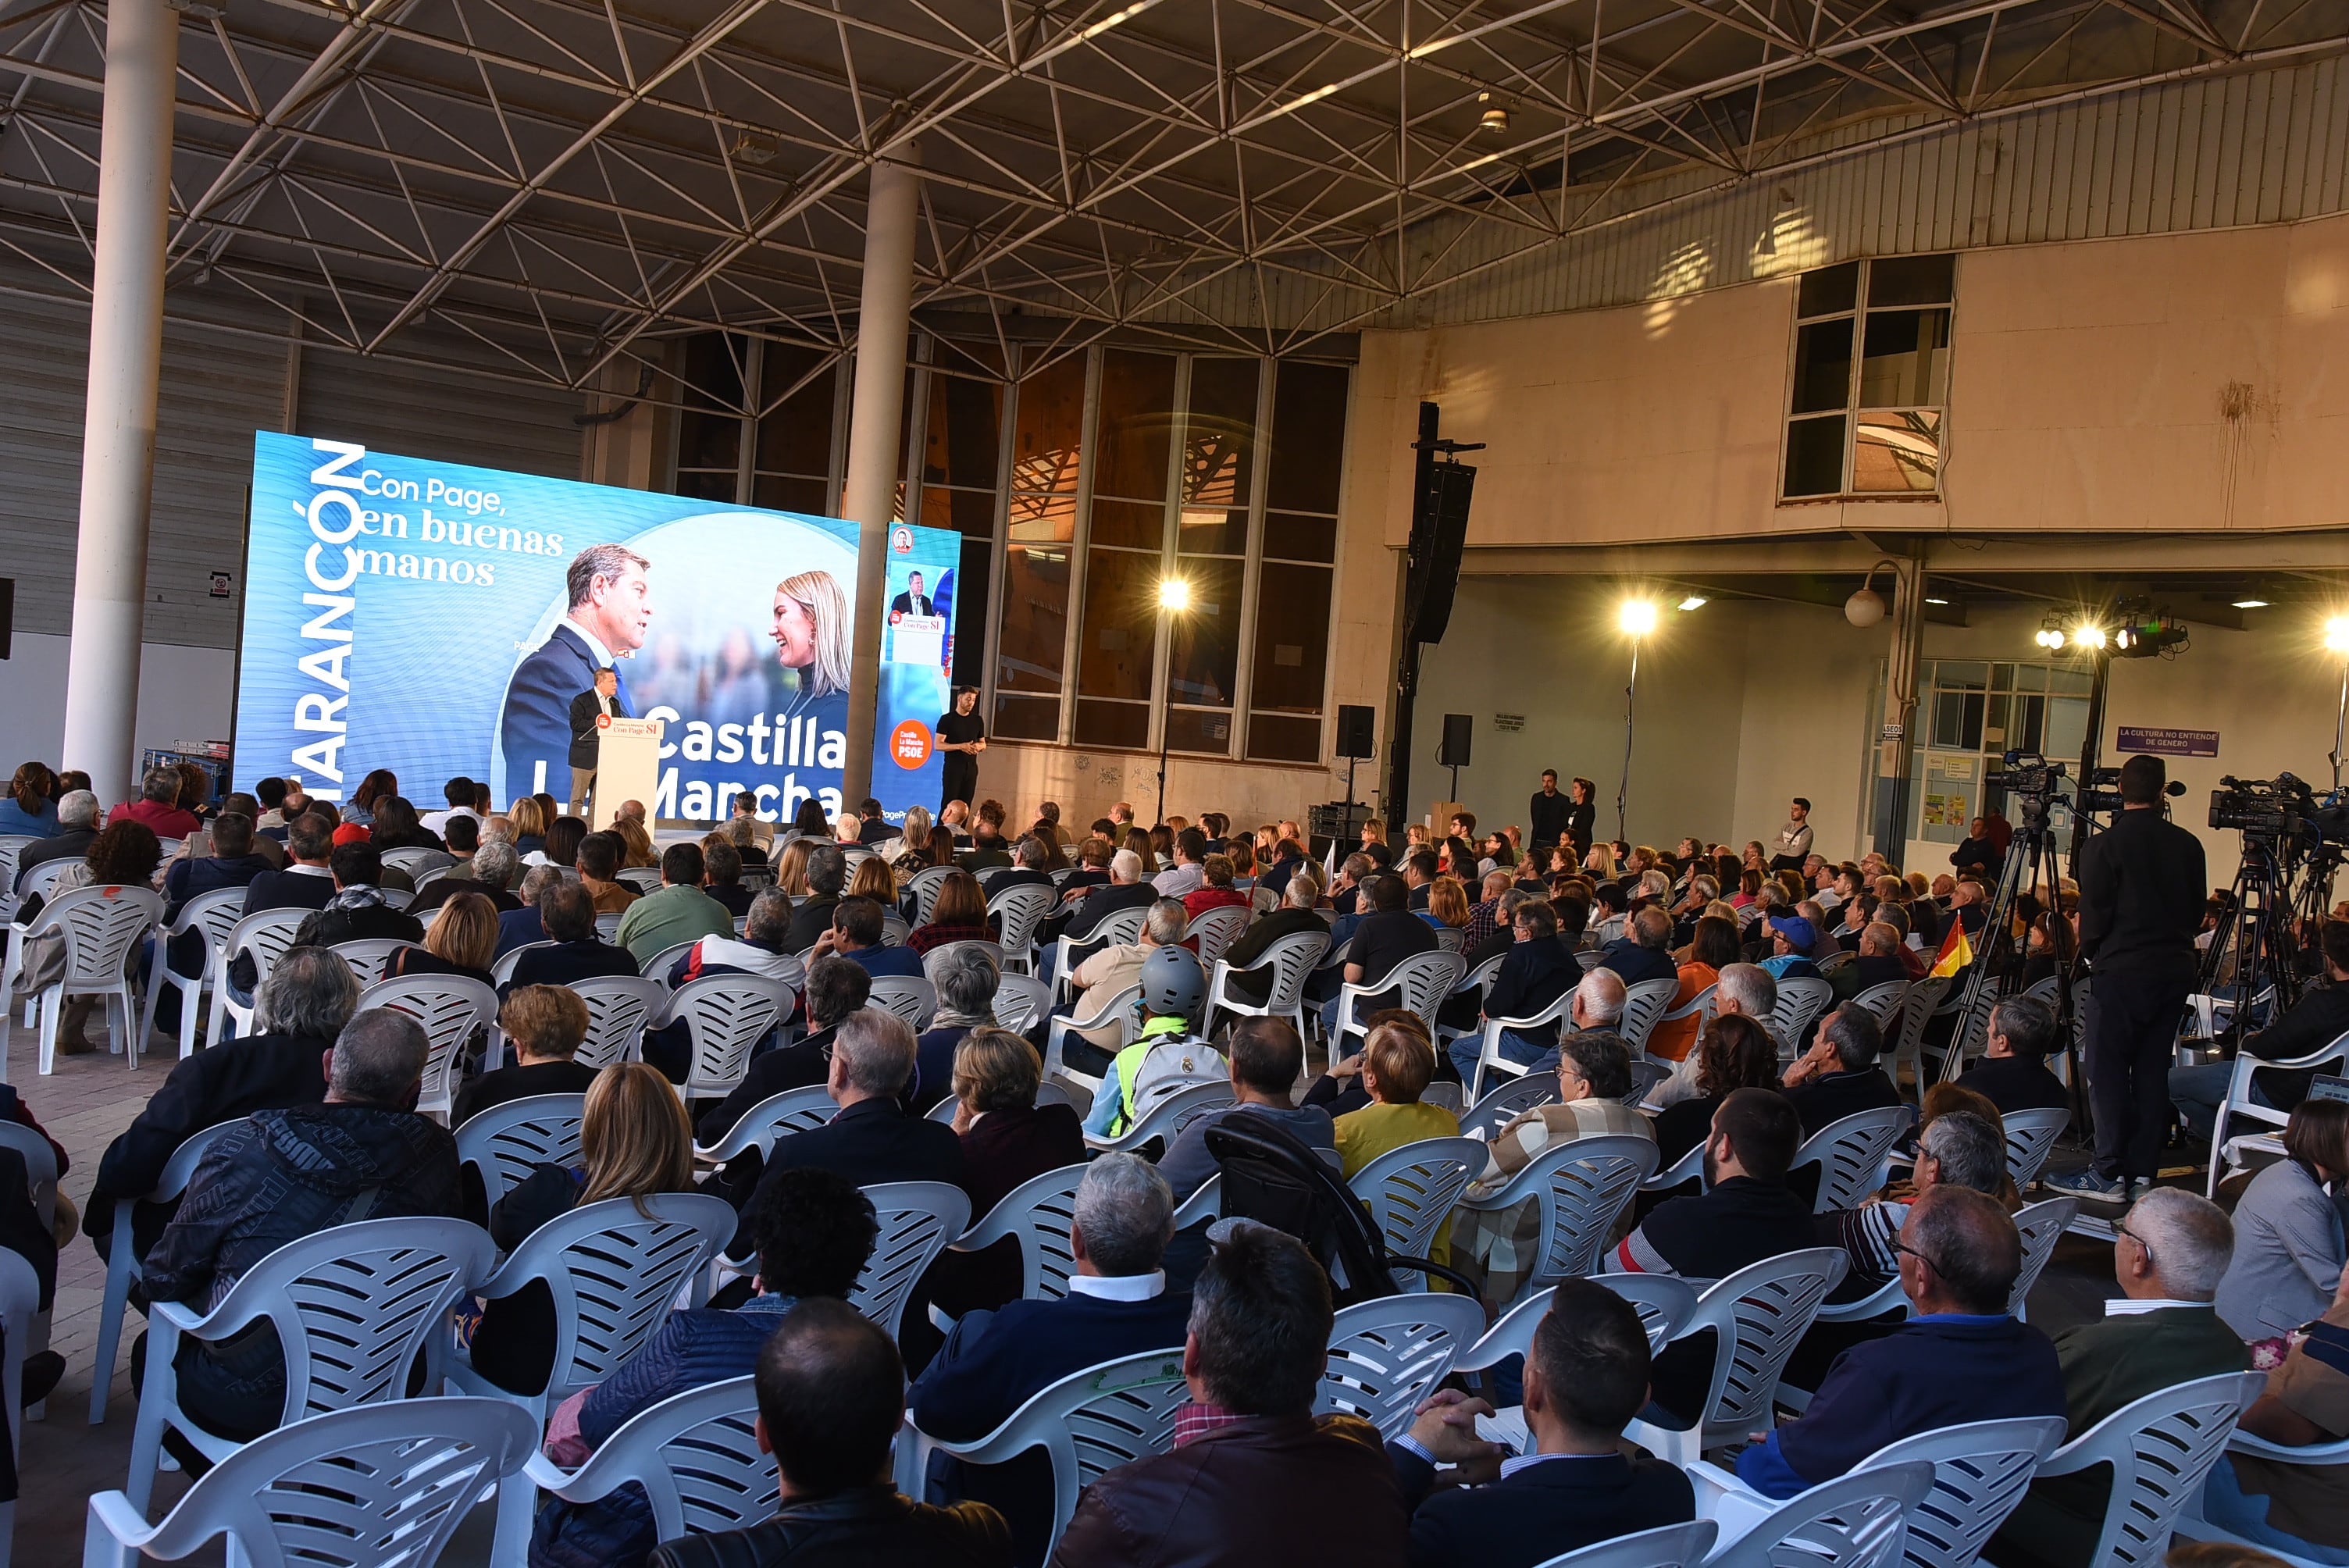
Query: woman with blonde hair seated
x=1396 y=1065
x=634 y=1142
x=638 y=853
x=529 y=821
x=1448 y=905
x=461 y=940
x=546 y=1025
x=790 y=868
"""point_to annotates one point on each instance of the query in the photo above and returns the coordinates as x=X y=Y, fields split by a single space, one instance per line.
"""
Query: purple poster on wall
x=2169 y=742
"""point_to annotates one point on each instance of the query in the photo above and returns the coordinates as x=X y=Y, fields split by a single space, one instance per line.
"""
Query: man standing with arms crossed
x=2141 y=890
x=1546 y=816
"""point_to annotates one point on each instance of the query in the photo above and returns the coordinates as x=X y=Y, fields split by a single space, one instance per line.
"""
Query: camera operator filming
x=2141 y=895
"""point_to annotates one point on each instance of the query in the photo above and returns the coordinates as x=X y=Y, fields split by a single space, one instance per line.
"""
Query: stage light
x=1637 y=617
x=2337 y=634
x=1173 y=594
x=2088 y=636
x=2250 y=604
x=1694 y=601
x=2049 y=637
x=1944 y=602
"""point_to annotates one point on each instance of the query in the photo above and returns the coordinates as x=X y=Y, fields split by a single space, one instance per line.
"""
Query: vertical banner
x=439 y=620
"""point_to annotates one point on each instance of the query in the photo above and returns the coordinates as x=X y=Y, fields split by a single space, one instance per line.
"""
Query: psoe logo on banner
x=909 y=744
x=901 y=540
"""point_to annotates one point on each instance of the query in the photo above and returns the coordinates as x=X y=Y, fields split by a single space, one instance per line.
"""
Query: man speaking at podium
x=587 y=710
x=912 y=601
x=609 y=614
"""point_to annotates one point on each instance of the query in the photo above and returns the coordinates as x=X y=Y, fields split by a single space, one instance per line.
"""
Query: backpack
x=1173 y=1064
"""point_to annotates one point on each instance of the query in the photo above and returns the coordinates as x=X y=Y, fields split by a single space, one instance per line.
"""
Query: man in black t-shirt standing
x=1546 y=815
x=962 y=736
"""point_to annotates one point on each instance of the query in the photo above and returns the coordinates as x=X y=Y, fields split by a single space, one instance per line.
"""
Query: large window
x=1865 y=401
x=1080 y=483
x=1970 y=713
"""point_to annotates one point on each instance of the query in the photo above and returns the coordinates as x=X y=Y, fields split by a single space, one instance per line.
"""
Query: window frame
x=1852 y=408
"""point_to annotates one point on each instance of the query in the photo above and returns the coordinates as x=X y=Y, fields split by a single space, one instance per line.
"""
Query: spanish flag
x=1956 y=951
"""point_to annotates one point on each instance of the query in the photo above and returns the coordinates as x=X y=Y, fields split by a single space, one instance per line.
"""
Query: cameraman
x=2141 y=892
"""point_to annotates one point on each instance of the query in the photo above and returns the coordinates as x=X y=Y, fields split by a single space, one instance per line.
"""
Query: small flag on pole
x=1956 y=953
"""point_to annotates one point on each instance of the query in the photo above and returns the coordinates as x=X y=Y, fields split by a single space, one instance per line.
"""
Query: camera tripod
x=2258 y=934
x=2031 y=861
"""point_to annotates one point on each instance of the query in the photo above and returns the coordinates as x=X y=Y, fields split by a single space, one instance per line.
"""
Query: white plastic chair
x=607 y=926
x=1662 y=1302
x=2039 y=1225
x=1167 y=1118
x=1644 y=1004
x=418 y=859
x=1038 y=1213
x=612 y=1269
x=1479 y=982
x=394 y=899
x=353 y=1306
x=122 y=1259
x=1666 y=1546
x=893 y=929
x=919 y=1220
x=1292 y=960
x=2192 y=1526
x=501 y=973
x=1489 y=1053
x=263 y=937
x=101 y=927
x=1906 y=1046
x=1973 y=1028
x=2238 y=1101
x=1498 y=1109
x=1980 y=1471
x=11 y=846
x=1582 y=1187
x=915 y=1001
x=42 y=879
x=644 y=878
x=1387 y=1354
x=1123 y=929
x=506 y=1142
x=1424 y=980
x=1021 y=1002
x=1021 y=911
x=1853 y=1155
x=923 y=885
x=1116 y=1013
x=1447 y=939
x=656 y=968
x=449 y=1007
x=617 y=1010
x=2161 y=1448
x=936 y=955
x=377 y=1484
x=777 y=1116
x=1688 y=1167
x=1411 y=1191
x=695 y=1454
x=212 y=914
x=368 y=955
x=1856 y=1521
x=1703 y=1007
x=1207 y=1204
x=1216 y=929
x=1877 y=1002
x=20 y=1303
x=1758 y=1316
x=1801 y=1000
x=1088 y=1423
x=726 y=1015
x=2031 y=1135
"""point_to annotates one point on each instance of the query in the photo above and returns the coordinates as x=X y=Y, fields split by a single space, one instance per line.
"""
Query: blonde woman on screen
x=811 y=634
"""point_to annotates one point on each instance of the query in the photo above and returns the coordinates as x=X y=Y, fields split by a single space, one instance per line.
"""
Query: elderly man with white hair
x=1125 y=890
x=1745 y=989
x=77 y=826
x=1107 y=974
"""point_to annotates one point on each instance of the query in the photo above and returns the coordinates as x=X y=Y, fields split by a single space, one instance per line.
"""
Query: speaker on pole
x=1453 y=751
x=1355 y=735
x=1439 y=529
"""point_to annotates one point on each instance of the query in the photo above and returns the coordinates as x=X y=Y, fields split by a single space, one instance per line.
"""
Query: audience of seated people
x=1838 y=1076
x=544 y=1025
x=678 y=911
x=965 y=983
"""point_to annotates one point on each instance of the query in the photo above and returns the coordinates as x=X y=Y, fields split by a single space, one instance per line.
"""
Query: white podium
x=627 y=766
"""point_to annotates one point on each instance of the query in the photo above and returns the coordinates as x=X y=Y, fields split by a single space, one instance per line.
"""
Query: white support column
x=126 y=354
x=874 y=461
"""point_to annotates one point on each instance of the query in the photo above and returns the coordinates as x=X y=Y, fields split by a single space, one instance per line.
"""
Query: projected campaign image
x=438 y=619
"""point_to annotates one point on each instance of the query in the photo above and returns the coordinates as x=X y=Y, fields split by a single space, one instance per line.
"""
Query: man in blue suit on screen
x=611 y=607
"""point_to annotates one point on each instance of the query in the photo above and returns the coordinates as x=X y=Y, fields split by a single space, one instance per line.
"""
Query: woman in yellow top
x=1396 y=1063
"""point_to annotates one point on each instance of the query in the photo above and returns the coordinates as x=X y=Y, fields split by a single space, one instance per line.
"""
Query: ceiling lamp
x=1693 y=601
x=1496 y=118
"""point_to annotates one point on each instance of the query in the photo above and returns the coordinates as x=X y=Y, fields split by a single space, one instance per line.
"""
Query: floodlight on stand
x=2337 y=634
x=1637 y=617
x=2050 y=635
x=2088 y=636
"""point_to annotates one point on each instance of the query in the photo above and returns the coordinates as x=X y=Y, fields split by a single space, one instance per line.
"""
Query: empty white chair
x=212 y=915
x=1018 y=912
x=918 y=1220
x=777 y=1116
x=122 y=1258
x=1166 y=1119
x=1542 y=1026
x=1498 y=1109
x=262 y=937
x=2030 y=1136
x=2041 y=1226
x=1088 y=1423
x=695 y=1454
x=1292 y=960
x=1387 y=1354
x=501 y=973
x=1644 y=1004
x=1411 y=1191
x=376 y=1484
x=2161 y=1448
x=506 y=1142
x=1856 y=1521
x=1666 y=1546
x=101 y=928
x=1852 y=1156
x=417 y=861
x=912 y=1000
x=2334 y=1058
x=1422 y=981
x=352 y=1306
x=726 y=1015
x=368 y=955
x=1021 y=1002
x=1216 y=929
x=1801 y=1000
x=449 y=1007
x=1038 y=1213
x=617 y=1010
x=1757 y=1316
x=1580 y=1187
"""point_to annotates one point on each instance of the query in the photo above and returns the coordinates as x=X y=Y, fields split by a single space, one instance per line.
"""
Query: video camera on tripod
x=2277 y=811
x=2031 y=780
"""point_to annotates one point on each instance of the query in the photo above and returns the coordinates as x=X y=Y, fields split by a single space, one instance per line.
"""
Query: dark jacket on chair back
x=871 y=1527
x=1559 y=1505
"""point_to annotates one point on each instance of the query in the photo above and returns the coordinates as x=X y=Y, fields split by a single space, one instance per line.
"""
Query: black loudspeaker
x=1454 y=752
x=1439 y=528
x=1355 y=737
